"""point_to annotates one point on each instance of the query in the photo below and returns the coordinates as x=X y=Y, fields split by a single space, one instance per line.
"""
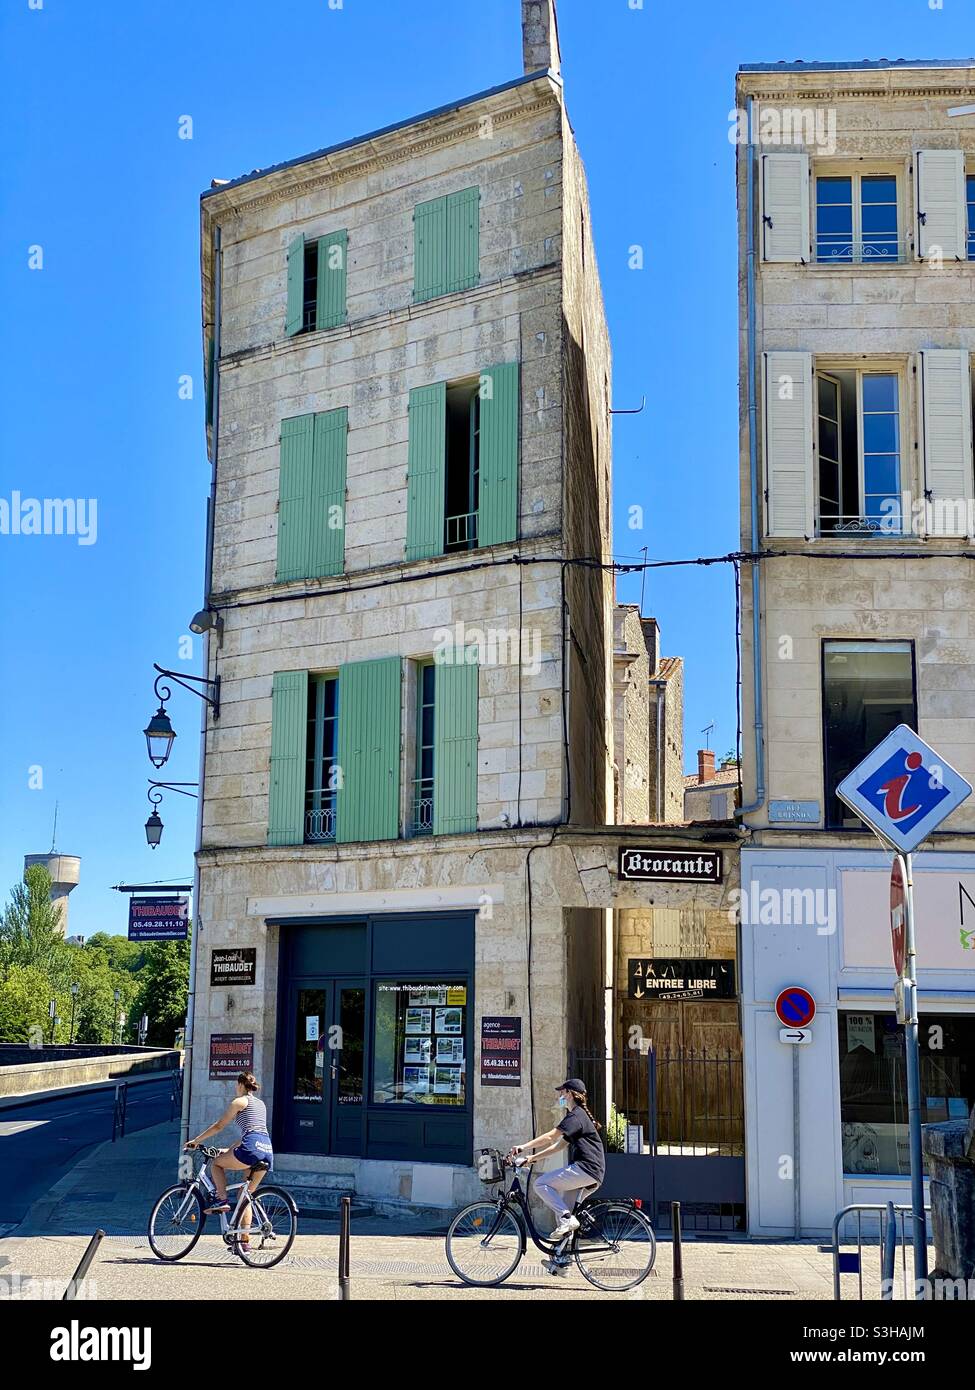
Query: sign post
x=795 y=1008
x=903 y=791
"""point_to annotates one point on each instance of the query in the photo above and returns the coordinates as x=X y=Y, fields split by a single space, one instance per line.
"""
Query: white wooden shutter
x=946 y=434
x=788 y=395
x=939 y=189
x=785 y=207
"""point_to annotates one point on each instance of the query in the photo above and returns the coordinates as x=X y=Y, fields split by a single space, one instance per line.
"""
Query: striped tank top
x=252 y=1118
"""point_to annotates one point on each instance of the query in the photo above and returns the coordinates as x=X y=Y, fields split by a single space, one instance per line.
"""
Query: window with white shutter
x=939 y=183
x=946 y=439
x=788 y=443
x=785 y=207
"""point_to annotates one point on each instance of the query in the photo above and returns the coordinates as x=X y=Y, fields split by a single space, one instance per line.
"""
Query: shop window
x=873 y=1084
x=868 y=689
x=421 y=1043
x=308 y=1072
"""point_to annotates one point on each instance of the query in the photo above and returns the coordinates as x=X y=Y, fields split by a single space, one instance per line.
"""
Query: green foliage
x=615 y=1131
x=164 y=986
x=38 y=965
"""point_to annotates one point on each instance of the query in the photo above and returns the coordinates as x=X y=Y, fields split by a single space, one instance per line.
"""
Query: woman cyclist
x=254 y=1147
x=586 y=1168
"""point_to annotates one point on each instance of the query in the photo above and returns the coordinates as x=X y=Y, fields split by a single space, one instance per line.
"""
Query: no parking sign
x=795 y=1007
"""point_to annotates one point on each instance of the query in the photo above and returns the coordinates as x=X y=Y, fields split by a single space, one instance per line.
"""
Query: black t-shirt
x=585 y=1145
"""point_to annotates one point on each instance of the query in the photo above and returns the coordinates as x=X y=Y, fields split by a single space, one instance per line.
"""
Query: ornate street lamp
x=154 y=825
x=159 y=737
x=74 y=997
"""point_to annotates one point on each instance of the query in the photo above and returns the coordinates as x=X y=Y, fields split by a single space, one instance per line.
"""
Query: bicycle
x=614 y=1247
x=176 y=1221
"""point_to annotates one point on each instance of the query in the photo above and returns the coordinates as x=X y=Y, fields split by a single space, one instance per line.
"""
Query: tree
x=164 y=987
x=25 y=994
x=30 y=929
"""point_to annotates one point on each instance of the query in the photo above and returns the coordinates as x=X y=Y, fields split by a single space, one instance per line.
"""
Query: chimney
x=651 y=636
x=540 y=36
x=705 y=765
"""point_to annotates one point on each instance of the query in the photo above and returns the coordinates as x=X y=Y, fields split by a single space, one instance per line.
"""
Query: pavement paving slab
x=114 y=1186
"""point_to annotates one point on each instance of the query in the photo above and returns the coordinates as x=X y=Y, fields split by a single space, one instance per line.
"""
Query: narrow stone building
x=409 y=427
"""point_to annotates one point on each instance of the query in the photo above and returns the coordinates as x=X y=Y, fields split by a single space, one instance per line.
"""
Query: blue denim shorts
x=255 y=1148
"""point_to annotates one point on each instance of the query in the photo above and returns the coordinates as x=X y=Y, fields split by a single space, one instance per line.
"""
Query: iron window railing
x=320 y=822
x=460 y=532
x=839 y=249
x=423 y=806
x=846 y=524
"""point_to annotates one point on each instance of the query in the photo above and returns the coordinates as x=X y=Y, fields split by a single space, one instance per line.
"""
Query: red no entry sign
x=898 y=913
x=795 y=1007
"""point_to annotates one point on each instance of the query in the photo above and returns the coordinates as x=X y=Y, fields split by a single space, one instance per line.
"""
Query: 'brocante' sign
x=671 y=865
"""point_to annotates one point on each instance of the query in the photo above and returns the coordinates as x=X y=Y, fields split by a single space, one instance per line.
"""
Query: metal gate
x=675 y=1131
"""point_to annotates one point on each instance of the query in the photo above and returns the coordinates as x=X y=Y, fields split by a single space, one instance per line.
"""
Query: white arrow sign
x=798 y=1037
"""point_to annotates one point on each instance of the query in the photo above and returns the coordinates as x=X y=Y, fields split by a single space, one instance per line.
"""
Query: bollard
x=72 y=1290
x=889 y=1251
x=118 y=1115
x=345 y=1218
x=678 y=1253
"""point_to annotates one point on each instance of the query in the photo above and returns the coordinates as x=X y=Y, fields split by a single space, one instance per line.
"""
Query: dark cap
x=572 y=1084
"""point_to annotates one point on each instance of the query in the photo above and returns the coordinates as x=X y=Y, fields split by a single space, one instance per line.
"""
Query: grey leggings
x=568 y=1181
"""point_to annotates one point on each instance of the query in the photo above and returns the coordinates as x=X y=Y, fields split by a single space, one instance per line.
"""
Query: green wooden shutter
x=330 y=302
x=425 y=476
x=497 y=511
x=455 y=747
x=367 y=801
x=295 y=475
x=296 y=286
x=430 y=249
x=311 y=487
x=463 y=239
x=286 y=789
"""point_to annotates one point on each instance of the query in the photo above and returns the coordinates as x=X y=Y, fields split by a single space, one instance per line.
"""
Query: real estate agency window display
x=421 y=1039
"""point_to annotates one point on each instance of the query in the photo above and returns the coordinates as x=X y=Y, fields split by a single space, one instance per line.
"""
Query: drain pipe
x=184 y=1122
x=759 y=731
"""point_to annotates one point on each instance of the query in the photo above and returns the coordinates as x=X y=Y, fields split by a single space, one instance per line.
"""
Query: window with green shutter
x=455 y=744
x=311 y=495
x=369 y=750
x=286 y=784
x=446 y=244
x=317 y=279
x=462 y=484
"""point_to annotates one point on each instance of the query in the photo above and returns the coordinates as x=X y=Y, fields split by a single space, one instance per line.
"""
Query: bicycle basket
x=489 y=1165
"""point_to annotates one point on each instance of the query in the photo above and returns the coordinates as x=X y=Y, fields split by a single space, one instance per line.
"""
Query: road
x=42 y=1139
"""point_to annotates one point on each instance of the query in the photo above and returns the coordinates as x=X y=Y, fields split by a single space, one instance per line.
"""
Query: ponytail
x=580 y=1099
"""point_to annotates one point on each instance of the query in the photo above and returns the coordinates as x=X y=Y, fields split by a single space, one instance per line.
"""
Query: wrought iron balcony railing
x=460 y=532
x=423 y=806
x=880 y=249
x=320 y=824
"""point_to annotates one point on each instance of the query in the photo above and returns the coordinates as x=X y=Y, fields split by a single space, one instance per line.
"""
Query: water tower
x=65 y=870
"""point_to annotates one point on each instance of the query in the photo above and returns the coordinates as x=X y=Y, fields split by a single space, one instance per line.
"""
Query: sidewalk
x=391 y=1259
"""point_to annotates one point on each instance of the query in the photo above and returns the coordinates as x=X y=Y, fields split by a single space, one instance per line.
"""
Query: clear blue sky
x=94 y=344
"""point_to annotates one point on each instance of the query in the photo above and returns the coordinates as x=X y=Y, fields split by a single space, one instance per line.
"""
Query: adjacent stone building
x=648 y=722
x=856 y=199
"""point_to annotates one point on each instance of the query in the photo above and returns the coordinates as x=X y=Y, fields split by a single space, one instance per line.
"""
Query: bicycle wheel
x=484 y=1245
x=619 y=1251
x=274 y=1225
x=176 y=1222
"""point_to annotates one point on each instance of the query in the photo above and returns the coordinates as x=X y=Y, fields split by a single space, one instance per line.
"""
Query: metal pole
x=678 y=1253
x=889 y=1251
x=912 y=1050
x=86 y=1259
x=796 y=1194
x=344 y=1232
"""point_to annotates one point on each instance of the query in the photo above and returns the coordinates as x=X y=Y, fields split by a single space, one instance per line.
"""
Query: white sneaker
x=566 y=1226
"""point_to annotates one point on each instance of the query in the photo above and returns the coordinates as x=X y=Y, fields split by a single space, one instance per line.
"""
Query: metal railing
x=422 y=821
x=838 y=249
x=848 y=524
x=320 y=824
x=460 y=532
x=850 y=1262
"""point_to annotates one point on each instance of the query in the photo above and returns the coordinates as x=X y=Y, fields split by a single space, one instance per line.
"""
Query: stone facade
x=920 y=590
x=544 y=750
x=648 y=708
